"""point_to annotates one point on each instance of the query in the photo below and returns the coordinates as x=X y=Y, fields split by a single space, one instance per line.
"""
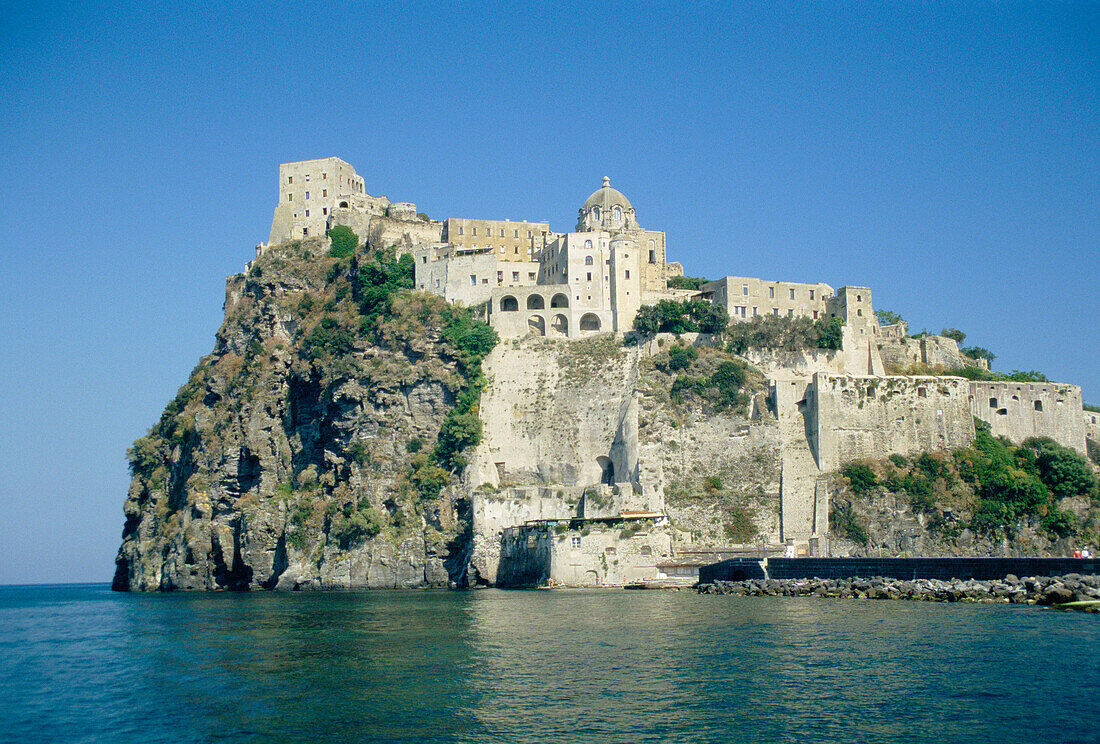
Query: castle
x=822 y=409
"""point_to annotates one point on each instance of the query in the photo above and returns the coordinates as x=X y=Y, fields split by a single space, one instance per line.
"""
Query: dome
x=606 y=197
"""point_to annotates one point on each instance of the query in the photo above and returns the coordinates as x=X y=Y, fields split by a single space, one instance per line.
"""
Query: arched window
x=344 y=205
x=559 y=300
x=616 y=212
x=596 y=212
x=559 y=326
x=588 y=259
x=509 y=304
x=535 y=302
x=588 y=245
x=536 y=326
x=590 y=322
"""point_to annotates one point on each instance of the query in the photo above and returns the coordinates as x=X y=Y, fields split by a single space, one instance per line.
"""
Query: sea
x=79 y=663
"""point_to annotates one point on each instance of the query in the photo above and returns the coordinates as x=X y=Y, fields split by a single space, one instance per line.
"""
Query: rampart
x=906 y=569
x=1019 y=410
x=872 y=417
x=932 y=351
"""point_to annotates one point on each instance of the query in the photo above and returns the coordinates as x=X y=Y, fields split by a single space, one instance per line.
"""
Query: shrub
x=954 y=334
x=844 y=522
x=888 y=317
x=792 y=334
x=686 y=282
x=1061 y=469
x=680 y=316
x=681 y=357
x=305 y=305
x=344 y=241
x=899 y=460
x=740 y=528
x=362 y=524
x=328 y=339
x=977 y=352
x=861 y=477
x=712 y=483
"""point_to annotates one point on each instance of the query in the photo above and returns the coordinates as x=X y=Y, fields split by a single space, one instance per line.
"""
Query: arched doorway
x=536 y=326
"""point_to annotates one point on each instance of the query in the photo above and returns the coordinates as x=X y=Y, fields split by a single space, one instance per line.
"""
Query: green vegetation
x=684 y=316
x=954 y=333
x=686 y=282
x=360 y=524
x=977 y=352
x=681 y=357
x=975 y=373
x=792 y=334
x=328 y=340
x=888 y=317
x=380 y=278
x=844 y=522
x=722 y=387
x=1000 y=483
x=739 y=526
x=344 y=242
x=1090 y=407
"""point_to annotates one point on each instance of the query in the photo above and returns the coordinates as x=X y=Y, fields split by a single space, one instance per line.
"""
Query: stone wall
x=873 y=417
x=933 y=351
x=1018 y=410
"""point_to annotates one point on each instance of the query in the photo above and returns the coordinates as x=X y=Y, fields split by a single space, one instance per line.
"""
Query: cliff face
x=295 y=455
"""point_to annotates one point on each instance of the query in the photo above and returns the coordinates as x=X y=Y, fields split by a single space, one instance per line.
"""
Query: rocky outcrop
x=288 y=459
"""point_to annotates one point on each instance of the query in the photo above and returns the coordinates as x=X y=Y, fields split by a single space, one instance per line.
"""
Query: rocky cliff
x=302 y=452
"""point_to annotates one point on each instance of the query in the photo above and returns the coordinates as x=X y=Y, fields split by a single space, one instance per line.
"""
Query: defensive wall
x=944 y=569
x=932 y=351
x=1019 y=410
x=872 y=417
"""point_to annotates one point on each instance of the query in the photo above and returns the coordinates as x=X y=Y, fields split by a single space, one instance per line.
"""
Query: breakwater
x=1045 y=590
x=945 y=569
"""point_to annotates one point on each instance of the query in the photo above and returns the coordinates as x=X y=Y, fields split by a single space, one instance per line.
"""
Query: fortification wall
x=1018 y=410
x=933 y=351
x=1092 y=425
x=872 y=417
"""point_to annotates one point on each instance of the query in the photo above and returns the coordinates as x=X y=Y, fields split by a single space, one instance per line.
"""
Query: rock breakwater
x=1043 y=590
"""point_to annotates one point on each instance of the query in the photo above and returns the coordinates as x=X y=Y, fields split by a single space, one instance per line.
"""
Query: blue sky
x=945 y=154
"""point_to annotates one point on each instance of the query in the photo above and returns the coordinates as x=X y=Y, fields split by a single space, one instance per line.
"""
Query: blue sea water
x=83 y=664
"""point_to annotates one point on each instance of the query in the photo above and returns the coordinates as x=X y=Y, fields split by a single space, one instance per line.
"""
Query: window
x=1038 y=405
x=305 y=231
x=516 y=235
x=324 y=176
x=859 y=312
x=922 y=392
x=992 y=402
x=792 y=294
x=616 y=212
x=475 y=231
x=745 y=290
x=515 y=276
x=588 y=245
x=459 y=230
x=324 y=210
x=307 y=213
x=588 y=259
x=811 y=297
x=502 y=232
x=652 y=256
x=775 y=311
x=589 y=276
x=307 y=178
x=771 y=292
x=628 y=273
x=290 y=197
x=575 y=542
x=502 y=249
x=744 y=309
x=500 y=277
x=530 y=276
x=815 y=314
x=473 y=279
x=596 y=212
x=290 y=179
x=790 y=313
x=324 y=192
x=424 y=259
x=307 y=196
x=859 y=298
x=754 y=311
x=437 y=284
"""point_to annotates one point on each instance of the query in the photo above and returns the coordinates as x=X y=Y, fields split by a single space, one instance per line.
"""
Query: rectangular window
x=307 y=196
x=517 y=234
x=628 y=273
x=437 y=284
x=575 y=542
x=305 y=231
x=484 y=281
x=307 y=213
x=502 y=249
x=589 y=276
x=815 y=314
x=792 y=294
x=324 y=210
x=324 y=176
x=743 y=310
x=290 y=197
x=475 y=231
x=425 y=260
x=500 y=277
x=790 y=313
x=307 y=178
x=324 y=192
x=812 y=296
x=775 y=311
x=473 y=279
x=771 y=292
x=530 y=276
x=745 y=290
x=754 y=312
x=515 y=276
x=290 y=179
x=502 y=232
x=460 y=230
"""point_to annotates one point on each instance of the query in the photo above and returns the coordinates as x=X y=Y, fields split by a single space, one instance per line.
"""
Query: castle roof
x=606 y=197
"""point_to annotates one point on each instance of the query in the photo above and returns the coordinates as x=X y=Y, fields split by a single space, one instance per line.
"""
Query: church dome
x=606 y=197
x=606 y=209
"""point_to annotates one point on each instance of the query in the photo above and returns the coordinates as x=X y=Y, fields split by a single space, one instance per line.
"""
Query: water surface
x=83 y=664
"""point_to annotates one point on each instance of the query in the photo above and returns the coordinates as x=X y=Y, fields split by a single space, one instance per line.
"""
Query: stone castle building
x=826 y=407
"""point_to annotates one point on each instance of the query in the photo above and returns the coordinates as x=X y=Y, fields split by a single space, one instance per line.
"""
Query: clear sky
x=944 y=154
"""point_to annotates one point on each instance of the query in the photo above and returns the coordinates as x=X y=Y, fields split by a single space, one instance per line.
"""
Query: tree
x=954 y=333
x=888 y=317
x=977 y=352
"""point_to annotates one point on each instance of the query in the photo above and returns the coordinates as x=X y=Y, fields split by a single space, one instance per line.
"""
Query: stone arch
x=588 y=260
x=590 y=322
x=607 y=470
x=559 y=300
x=559 y=325
x=509 y=304
x=344 y=204
x=535 y=302
x=536 y=325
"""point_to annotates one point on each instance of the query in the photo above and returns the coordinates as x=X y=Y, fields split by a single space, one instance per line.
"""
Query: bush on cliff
x=680 y=316
x=791 y=334
x=381 y=276
x=686 y=282
x=344 y=241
